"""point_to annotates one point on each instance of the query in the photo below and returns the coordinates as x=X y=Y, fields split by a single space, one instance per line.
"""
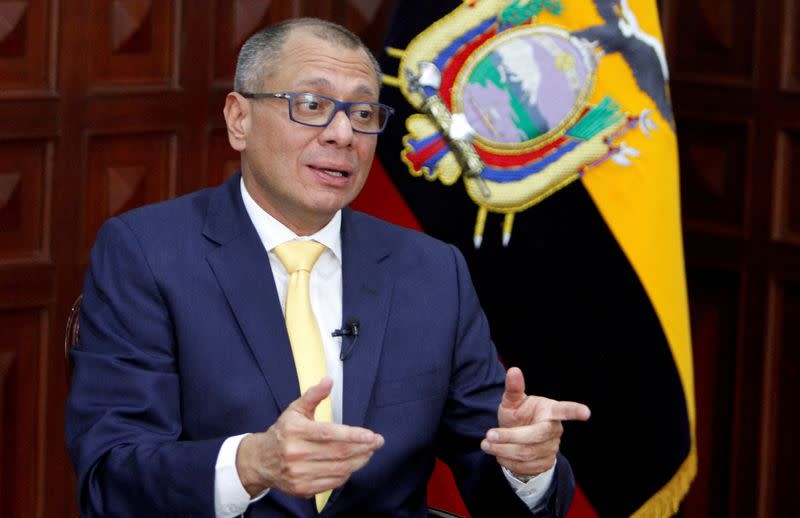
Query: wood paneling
x=786 y=497
x=237 y=20
x=134 y=43
x=790 y=53
x=781 y=427
x=736 y=102
x=786 y=213
x=26 y=36
x=369 y=19
x=717 y=41
x=714 y=165
x=715 y=310
x=21 y=342
x=223 y=161
x=25 y=170
x=125 y=172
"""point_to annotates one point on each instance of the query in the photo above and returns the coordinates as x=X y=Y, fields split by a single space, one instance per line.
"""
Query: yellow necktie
x=299 y=257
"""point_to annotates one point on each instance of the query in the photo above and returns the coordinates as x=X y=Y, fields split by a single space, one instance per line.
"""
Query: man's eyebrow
x=320 y=82
x=366 y=90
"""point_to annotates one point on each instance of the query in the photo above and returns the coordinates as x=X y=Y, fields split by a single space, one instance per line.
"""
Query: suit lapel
x=367 y=293
x=242 y=269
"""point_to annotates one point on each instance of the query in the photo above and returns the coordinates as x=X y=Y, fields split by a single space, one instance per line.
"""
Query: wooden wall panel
x=369 y=19
x=25 y=171
x=26 y=285
x=786 y=213
x=25 y=41
x=223 y=160
x=134 y=43
x=717 y=41
x=790 y=51
x=780 y=495
x=125 y=172
x=715 y=310
x=786 y=496
x=22 y=338
x=237 y=20
x=714 y=166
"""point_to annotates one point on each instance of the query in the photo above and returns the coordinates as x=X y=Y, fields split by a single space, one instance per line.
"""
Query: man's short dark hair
x=261 y=53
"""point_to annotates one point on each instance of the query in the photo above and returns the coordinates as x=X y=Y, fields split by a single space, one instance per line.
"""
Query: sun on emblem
x=503 y=105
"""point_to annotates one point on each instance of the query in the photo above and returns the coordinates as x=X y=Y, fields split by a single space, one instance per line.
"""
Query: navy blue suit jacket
x=183 y=344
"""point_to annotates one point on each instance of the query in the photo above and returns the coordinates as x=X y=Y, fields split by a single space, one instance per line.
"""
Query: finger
x=316 y=476
x=327 y=475
x=334 y=432
x=530 y=434
x=514 y=393
x=340 y=452
x=568 y=411
x=308 y=402
x=522 y=452
x=335 y=467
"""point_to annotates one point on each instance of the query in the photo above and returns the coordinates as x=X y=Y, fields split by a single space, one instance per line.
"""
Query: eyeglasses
x=319 y=110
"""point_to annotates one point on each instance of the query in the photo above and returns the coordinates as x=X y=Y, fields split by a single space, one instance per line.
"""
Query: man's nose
x=339 y=130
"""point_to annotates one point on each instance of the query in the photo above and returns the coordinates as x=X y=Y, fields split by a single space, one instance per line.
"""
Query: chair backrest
x=71 y=333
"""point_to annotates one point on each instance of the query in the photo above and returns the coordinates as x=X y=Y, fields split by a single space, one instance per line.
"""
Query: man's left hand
x=527 y=440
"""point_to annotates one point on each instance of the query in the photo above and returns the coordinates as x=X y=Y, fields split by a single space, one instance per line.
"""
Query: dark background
x=109 y=104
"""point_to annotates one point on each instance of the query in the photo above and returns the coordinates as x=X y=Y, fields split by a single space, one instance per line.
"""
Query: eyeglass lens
x=318 y=110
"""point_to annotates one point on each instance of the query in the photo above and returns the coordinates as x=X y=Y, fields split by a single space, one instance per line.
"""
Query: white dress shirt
x=230 y=497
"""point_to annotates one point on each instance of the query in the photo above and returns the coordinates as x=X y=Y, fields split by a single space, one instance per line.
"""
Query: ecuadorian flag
x=537 y=135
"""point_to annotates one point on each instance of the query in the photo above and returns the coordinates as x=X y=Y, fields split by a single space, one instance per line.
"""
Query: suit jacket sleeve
x=123 y=417
x=475 y=390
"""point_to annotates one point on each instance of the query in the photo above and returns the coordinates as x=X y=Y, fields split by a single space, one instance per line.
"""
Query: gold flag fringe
x=667 y=500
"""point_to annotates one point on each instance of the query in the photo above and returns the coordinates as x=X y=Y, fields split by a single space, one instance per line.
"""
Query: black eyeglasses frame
x=337 y=107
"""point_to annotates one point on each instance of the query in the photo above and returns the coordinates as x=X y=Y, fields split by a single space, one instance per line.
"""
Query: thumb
x=514 y=394
x=308 y=402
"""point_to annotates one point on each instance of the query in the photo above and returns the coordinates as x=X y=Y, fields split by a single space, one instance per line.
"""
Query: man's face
x=299 y=174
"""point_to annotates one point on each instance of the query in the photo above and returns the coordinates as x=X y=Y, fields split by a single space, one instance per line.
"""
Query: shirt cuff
x=230 y=497
x=533 y=491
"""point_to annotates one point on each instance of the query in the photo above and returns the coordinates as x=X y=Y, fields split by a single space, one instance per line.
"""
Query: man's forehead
x=307 y=60
x=318 y=82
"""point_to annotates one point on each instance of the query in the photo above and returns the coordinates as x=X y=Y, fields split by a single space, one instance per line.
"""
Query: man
x=186 y=396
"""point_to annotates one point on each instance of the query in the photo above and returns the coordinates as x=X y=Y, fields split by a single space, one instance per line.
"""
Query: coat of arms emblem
x=505 y=105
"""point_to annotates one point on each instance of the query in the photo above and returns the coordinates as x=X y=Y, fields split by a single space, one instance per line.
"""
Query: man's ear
x=237 y=119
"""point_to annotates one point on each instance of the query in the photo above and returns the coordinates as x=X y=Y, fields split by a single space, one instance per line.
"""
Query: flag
x=538 y=137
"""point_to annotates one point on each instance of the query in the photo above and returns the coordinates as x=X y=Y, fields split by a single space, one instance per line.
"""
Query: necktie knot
x=299 y=255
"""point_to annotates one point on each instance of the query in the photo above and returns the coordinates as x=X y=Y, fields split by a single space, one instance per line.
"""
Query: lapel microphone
x=349 y=329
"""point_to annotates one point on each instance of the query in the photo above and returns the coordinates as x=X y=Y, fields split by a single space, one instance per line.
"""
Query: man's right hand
x=300 y=456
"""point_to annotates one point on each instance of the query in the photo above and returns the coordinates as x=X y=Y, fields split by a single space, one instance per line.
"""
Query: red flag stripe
x=380 y=198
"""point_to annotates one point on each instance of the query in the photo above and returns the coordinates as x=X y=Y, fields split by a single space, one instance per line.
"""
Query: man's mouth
x=332 y=171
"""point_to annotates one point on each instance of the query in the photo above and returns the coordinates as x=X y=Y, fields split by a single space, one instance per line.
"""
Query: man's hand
x=300 y=456
x=529 y=434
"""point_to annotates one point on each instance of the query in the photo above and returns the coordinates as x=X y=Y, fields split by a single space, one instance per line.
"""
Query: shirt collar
x=273 y=233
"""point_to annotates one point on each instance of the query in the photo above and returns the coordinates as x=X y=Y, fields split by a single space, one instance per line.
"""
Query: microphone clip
x=350 y=329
